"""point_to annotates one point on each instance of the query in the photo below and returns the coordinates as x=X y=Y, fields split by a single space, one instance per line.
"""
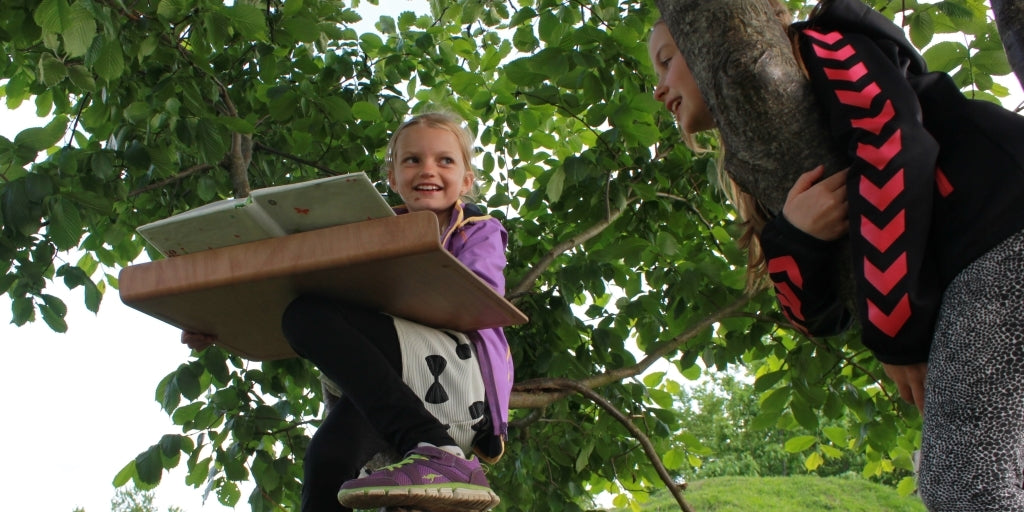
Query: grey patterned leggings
x=972 y=447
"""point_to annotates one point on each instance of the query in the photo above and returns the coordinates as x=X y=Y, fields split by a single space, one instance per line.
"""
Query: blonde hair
x=752 y=213
x=438 y=119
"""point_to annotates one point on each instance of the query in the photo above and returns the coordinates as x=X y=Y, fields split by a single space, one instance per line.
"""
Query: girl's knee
x=298 y=317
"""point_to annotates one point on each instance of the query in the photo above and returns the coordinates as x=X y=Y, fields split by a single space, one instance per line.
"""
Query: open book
x=268 y=212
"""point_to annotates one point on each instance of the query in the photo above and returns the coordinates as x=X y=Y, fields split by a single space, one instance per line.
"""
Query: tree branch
x=263 y=147
x=645 y=442
x=528 y=280
x=181 y=175
x=538 y=393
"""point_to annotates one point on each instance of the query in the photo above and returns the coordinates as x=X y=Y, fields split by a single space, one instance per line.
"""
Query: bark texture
x=1010 y=23
x=742 y=60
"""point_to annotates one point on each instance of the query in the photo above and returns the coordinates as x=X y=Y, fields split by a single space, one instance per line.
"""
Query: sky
x=79 y=406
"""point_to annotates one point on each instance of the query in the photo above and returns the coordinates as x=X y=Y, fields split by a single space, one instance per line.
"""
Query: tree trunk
x=770 y=125
x=1009 y=16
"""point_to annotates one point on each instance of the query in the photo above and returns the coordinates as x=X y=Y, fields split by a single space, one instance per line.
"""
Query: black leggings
x=358 y=349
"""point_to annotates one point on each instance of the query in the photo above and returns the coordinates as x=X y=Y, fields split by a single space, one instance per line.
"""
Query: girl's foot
x=428 y=478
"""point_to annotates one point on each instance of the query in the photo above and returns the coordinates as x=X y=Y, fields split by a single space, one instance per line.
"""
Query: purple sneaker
x=428 y=478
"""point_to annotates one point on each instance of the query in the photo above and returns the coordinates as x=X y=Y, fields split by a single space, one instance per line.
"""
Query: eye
x=447 y=160
x=410 y=160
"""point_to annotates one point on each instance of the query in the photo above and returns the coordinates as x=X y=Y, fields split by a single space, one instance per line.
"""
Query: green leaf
x=693 y=444
x=53 y=319
x=187 y=380
x=366 y=111
x=799 y=443
x=237 y=124
x=583 y=457
x=80 y=32
x=692 y=372
x=775 y=400
x=803 y=413
x=228 y=494
x=555 y=185
x=53 y=15
x=992 y=62
x=149 y=465
x=523 y=72
x=81 y=77
x=66 y=226
x=248 y=20
x=125 y=474
x=907 y=486
x=945 y=56
x=42 y=138
x=108 y=59
x=302 y=28
x=836 y=434
x=674 y=459
x=51 y=70
x=22 y=310
x=172 y=10
x=212 y=140
x=19 y=212
x=93 y=296
x=922 y=28
x=653 y=379
x=813 y=461
x=170 y=445
x=291 y=7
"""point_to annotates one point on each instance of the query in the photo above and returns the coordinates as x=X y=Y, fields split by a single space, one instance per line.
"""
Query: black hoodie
x=935 y=181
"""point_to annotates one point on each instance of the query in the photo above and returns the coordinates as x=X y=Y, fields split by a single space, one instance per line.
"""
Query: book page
x=218 y=224
x=268 y=212
x=322 y=203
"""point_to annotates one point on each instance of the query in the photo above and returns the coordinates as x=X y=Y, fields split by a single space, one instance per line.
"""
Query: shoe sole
x=432 y=499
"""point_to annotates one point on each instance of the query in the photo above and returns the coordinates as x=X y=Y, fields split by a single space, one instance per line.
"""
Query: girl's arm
x=874 y=113
x=481 y=248
x=802 y=268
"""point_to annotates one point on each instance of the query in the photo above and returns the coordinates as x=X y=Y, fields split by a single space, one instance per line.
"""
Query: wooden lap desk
x=396 y=265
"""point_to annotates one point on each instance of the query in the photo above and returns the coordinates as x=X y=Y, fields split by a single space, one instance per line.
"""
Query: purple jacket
x=479 y=241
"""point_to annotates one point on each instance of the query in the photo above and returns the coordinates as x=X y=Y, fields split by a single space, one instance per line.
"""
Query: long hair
x=753 y=215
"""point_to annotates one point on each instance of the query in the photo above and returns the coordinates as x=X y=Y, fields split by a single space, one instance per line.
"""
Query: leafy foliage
x=620 y=244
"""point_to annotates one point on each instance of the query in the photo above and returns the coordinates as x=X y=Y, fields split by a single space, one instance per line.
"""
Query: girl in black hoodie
x=935 y=201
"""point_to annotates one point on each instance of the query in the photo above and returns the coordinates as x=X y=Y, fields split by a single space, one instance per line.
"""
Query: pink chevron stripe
x=885 y=280
x=883 y=238
x=876 y=123
x=880 y=156
x=825 y=37
x=789 y=300
x=840 y=54
x=891 y=323
x=882 y=197
x=856 y=72
x=942 y=182
x=788 y=265
x=861 y=98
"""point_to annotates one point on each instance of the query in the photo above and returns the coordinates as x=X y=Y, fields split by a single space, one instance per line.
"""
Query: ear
x=467 y=183
x=391 y=178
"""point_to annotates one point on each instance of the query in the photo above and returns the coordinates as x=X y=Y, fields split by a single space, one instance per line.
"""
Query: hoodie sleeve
x=481 y=247
x=802 y=269
x=873 y=111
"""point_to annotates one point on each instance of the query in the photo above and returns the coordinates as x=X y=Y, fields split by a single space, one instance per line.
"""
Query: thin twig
x=645 y=442
x=548 y=259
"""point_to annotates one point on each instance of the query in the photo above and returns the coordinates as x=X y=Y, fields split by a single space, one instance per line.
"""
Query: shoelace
x=404 y=462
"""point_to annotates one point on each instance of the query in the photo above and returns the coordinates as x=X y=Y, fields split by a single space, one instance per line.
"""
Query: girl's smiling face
x=677 y=89
x=429 y=170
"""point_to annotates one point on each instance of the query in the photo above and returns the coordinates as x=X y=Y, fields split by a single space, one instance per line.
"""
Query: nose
x=660 y=91
x=428 y=168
